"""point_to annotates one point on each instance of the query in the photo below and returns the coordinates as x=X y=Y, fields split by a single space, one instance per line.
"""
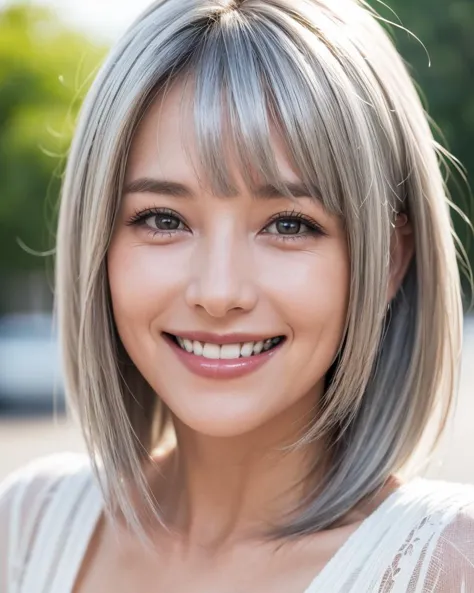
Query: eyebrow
x=179 y=190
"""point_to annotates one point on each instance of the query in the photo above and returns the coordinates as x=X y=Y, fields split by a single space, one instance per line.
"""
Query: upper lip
x=233 y=338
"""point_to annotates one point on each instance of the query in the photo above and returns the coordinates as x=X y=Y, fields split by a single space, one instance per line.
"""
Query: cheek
x=312 y=296
x=143 y=283
x=312 y=289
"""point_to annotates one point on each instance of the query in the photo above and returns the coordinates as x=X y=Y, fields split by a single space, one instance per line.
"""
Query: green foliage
x=439 y=51
x=44 y=71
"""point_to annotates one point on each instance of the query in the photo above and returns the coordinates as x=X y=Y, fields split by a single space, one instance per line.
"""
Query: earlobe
x=401 y=253
x=401 y=220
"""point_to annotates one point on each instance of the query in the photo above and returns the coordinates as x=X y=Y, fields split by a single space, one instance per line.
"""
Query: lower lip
x=220 y=368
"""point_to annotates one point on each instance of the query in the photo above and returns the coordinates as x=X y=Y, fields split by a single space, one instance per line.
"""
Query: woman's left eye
x=293 y=227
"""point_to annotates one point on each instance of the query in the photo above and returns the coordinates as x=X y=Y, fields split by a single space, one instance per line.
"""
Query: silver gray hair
x=327 y=75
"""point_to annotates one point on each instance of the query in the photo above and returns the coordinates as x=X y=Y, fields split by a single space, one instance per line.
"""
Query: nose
x=221 y=277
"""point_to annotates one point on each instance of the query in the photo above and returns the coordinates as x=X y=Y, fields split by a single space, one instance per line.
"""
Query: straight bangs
x=324 y=78
x=261 y=74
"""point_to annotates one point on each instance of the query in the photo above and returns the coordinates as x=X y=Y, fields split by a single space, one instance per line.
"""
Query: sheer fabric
x=420 y=540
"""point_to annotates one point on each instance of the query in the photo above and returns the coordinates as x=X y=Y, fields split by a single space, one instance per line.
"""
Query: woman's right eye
x=163 y=222
x=158 y=221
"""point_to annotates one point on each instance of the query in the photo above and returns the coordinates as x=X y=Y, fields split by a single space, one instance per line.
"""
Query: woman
x=260 y=314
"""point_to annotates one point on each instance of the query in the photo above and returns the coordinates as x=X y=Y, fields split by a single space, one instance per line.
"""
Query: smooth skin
x=223 y=265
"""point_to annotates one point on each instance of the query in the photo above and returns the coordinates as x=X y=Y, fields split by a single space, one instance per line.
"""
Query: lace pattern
x=420 y=541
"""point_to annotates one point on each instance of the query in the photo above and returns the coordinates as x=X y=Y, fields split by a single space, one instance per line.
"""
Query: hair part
x=325 y=75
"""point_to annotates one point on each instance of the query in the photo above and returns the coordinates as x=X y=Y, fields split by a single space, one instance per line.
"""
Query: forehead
x=166 y=146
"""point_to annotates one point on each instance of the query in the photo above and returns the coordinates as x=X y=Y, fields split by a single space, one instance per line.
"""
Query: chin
x=223 y=419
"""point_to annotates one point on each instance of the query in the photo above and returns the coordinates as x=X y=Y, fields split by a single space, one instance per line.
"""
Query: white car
x=30 y=368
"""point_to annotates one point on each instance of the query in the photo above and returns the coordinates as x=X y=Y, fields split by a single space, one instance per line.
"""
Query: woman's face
x=189 y=270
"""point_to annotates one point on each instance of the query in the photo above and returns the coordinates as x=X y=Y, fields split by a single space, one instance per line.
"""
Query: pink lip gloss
x=221 y=368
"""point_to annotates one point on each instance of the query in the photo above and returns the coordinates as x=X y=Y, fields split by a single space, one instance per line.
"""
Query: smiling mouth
x=226 y=351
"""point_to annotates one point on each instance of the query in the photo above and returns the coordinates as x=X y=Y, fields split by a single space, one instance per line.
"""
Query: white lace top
x=420 y=540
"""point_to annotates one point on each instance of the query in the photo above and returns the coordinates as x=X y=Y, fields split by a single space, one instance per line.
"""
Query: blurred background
x=49 y=52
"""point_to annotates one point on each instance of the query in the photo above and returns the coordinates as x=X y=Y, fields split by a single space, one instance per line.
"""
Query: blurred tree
x=44 y=68
x=441 y=61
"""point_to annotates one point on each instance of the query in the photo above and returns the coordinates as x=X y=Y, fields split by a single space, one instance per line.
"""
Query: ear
x=402 y=249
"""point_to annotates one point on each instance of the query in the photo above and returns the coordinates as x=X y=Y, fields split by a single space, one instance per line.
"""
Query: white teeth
x=188 y=345
x=229 y=351
x=226 y=351
x=247 y=349
x=211 y=351
x=197 y=348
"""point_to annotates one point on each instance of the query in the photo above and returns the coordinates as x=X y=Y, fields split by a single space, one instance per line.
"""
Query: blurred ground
x=24 y=438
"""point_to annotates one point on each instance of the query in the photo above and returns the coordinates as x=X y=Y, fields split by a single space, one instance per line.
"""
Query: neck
x=218 y=491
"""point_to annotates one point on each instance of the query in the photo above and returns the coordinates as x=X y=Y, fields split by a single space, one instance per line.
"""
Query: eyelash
x=141 y=216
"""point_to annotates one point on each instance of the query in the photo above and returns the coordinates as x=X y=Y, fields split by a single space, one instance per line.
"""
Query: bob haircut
x=327 y=76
